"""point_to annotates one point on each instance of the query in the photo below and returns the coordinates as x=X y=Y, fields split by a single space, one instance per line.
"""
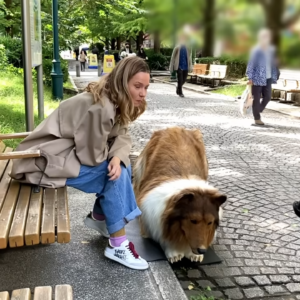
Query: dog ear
x=219 y=199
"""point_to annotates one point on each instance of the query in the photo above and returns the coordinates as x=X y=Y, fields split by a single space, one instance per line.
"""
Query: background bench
x=198 y=69
x=215 y=72
x=28 y=217
x=62 y=292
x=289 y=82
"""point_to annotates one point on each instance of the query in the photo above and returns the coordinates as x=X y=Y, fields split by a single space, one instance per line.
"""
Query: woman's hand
x=114 y=168
x=250 y=82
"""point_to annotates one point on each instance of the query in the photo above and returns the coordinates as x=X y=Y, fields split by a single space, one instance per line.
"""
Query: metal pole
x=77 y=70
x=40 y=88
x=28 y=91
x=99 y=68
x=56 y=74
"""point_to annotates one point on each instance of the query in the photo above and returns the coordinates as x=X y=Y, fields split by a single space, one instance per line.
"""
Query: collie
x=180 y=210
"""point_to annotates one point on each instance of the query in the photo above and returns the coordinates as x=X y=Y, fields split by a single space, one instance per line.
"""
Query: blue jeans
x=115 y=199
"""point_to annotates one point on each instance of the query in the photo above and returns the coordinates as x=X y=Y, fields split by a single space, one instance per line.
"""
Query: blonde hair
x=115 y=86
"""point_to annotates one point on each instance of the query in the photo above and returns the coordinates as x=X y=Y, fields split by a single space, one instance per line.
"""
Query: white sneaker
x=126 y=255
x=100 y=226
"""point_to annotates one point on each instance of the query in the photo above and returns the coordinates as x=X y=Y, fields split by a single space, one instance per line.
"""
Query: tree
x=209 y=27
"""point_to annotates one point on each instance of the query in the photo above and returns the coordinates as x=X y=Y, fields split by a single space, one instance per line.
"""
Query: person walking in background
x=262 y=71
x=82 y=59
x=126 y=51
x=182 y=63
x=141 y=53
x=76 y=51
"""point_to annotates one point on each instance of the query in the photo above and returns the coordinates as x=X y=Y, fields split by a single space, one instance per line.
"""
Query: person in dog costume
x=85 y=144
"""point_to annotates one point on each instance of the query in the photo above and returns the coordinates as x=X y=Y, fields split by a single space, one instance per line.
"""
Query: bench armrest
x=10 y=136
x=20 y=154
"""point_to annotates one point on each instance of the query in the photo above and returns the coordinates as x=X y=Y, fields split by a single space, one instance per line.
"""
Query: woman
x=141 y=53
x=262 y=71
x=85 y=144
x=82 y=59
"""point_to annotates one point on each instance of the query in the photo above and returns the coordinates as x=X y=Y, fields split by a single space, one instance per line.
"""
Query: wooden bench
x=62 y=292
x=215 y=72
x=198 y=69
x=29 y=216
x=288 y=82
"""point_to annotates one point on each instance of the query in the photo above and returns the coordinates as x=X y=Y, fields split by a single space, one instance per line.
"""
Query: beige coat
x=174 y=63
x=77 y=133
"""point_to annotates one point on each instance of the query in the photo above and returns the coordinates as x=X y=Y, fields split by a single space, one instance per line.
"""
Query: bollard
x=99 y=68
x=77 y=70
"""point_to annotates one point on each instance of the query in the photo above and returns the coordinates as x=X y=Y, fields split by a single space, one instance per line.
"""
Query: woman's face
x=138 y=86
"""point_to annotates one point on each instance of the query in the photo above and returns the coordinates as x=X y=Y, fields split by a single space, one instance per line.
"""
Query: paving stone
x=235 y=262
x=194 y=274
x=220 y=248
x=214 y=294
x=279 y=278
x=253 y=292
x=276 y=290
x=205 y=283
x=213 y=272
x=286 y=271
x=234 y=294
x=244 y=281
x=296 y=278
x=225 y=282
x=224 y=254
x=185 y=284
x=242 y=254
x=251 y=270
x=237 y=248
x=254 y=262
x=262 y=280
x=293 y=287
x=268 y=271
x=233 y=271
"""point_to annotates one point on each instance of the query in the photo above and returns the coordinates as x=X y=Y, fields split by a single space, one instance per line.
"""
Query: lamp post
x=173 y=74
x=56 y=74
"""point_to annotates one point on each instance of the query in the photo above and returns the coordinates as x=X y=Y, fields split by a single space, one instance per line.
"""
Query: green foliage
x=157 y=61
x=166 y=51
x=236 y=66
x=13 y=47
x=3 y=57
x=47 y=69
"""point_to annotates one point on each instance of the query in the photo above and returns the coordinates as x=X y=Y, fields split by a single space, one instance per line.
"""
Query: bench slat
x=33 y=224
x=16 y=235
x=7 y=211
x=48 y=219
x=63 y=220
x=4 y=296
x=43 y=293
x=9 y=136
x=4 y=184
x=3 y=163
x=2 y=146
x=22 y=294
x=63 y=292
x=20 y=154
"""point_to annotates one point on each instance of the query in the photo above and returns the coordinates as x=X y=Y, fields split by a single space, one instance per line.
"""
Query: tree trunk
x=107 y=43
x=113 y=44
x=156 y=42
x=8 y=29
x=274 y=15
x=139 y=39
x=118 y=43
x=209 y=28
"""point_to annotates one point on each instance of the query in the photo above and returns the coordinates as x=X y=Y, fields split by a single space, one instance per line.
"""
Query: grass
x=69 y=84
x=12 y=110
x=233 y=90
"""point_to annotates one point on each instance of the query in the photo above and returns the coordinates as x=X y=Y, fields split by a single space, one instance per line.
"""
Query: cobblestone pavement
x=258 y=168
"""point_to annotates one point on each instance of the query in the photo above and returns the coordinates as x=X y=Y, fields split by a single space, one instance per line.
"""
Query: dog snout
x=201 y=250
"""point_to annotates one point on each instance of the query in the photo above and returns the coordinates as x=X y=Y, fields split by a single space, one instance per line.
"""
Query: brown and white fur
x=180 y=210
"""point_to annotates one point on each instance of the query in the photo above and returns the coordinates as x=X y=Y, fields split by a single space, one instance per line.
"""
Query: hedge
x=47 y=68
x=13 y=50
x=236 y=66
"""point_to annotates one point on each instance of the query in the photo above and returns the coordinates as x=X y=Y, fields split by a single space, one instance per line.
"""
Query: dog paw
x=195 y=258
x=173 y=256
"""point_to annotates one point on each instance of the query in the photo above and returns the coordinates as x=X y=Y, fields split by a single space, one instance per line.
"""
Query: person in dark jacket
x=141 y=53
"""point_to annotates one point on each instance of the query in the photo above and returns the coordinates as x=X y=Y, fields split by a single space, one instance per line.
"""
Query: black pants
x=82 y=64
x=259 y=91
x=181 y=79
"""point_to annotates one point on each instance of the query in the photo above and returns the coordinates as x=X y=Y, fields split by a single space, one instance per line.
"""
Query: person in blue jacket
x=262 y=72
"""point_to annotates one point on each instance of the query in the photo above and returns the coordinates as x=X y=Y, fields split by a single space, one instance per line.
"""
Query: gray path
x=258 y=168
x=81 y=263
